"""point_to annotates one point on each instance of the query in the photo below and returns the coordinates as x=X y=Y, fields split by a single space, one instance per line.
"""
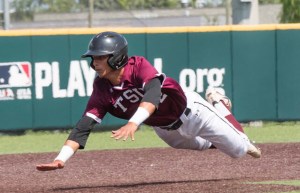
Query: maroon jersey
x=123 y=100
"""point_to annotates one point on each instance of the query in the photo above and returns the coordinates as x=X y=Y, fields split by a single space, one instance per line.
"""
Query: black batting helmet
x=109 y=43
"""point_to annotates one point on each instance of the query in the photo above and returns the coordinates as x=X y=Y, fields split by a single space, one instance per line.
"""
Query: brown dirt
x=154 y=170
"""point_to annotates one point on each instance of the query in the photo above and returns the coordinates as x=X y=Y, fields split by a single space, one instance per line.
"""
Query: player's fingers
x=114 y=133
x=118 y=137
x=117 y=134
x=126 y=136
x=123 y=134
x=132 y=136
x=47 y=167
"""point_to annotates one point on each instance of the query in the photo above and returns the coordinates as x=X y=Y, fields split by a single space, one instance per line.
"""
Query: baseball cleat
x=254 y=151
x=213 y=96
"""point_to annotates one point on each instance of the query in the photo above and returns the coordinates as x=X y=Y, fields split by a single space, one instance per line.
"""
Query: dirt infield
x=154 y=170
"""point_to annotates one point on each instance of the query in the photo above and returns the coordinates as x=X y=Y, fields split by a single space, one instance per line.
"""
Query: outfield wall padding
x=256 y=66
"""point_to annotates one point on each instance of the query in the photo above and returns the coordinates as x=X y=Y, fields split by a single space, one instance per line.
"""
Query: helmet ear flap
x=117 y=62
x=119 y=59
x=110 y=62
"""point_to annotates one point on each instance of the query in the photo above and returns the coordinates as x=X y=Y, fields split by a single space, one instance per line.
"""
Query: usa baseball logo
x=15 y=74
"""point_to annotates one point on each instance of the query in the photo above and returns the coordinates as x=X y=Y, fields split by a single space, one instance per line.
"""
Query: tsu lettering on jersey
x=15 y=74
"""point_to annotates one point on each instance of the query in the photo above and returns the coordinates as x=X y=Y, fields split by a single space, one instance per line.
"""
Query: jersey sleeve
x=95 y=107
x=146 y=72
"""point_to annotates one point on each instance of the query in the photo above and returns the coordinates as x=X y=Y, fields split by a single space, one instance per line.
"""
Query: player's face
x=101 y=66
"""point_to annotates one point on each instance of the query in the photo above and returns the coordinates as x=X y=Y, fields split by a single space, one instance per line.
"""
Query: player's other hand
x=57 y=164
x=126 y=131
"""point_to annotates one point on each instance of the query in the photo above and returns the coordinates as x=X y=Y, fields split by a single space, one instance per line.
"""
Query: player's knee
x=237 y=153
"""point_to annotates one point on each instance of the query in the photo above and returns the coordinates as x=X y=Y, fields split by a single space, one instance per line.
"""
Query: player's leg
x=205 y=121
x=223 y=104
x=174 y=139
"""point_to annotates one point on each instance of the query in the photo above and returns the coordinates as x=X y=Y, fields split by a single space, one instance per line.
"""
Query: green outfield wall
x=44 y=83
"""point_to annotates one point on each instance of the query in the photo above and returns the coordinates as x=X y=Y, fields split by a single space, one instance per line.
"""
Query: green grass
x=283 y=182
x=49 y=141
x=273 y=132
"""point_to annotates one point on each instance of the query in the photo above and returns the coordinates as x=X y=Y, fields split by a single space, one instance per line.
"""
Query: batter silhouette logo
x=15 y=74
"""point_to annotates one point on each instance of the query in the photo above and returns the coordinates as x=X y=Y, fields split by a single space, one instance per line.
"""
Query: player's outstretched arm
x=69 y=148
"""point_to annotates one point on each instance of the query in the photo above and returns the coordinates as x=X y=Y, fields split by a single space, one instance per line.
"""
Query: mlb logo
x=15 y=74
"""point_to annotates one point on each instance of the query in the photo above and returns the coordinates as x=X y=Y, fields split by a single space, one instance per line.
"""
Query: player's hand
x=124 y=132
x=57 y=164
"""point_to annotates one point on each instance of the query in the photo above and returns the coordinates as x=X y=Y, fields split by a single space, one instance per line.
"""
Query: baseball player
x=131 y=88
